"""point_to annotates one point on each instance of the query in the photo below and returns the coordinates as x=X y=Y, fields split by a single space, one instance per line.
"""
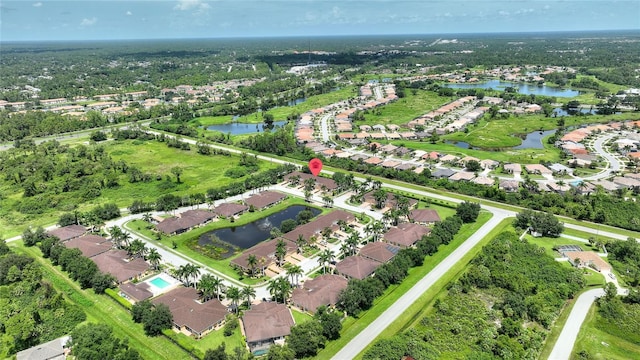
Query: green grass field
x=601 y=345
x=102 y=309
x=548 y=243
x=352 y=327
x=405 y=109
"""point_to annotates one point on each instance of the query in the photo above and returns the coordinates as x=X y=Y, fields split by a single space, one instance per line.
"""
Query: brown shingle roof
x=114 y=262
x=264 y=199
x=357 y=267
x=264 y=253
x=137 y=292
x=68 y=232
x=323 y=290
x=90 y=245
x=316 y=226
x=406 y=234
x=424 y=216
x=229 y=209
x=188 y=312
x=379 y=251
x=267 y=320
x=320 y=181
x=186 y=221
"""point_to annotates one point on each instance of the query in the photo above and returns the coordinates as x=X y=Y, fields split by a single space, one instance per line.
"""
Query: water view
x=236 y=128
x=533 y=140
x=248 y=235
x=526 y=89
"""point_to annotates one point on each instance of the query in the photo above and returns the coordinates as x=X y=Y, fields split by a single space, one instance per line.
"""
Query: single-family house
x=230 y=209
x=265 y=324
x=509 y=185
x=424 y=216
x=406 y=234
x=55 y=349
x=379 y=251
x=190 y=315
x=68 y=232
x=264 y=199
x=356 y=267
x=323 y=290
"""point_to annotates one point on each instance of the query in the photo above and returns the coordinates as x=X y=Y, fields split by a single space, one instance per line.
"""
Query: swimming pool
x=159 y=283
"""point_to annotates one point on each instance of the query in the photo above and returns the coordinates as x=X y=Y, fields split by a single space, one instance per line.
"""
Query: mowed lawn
x=503 y=133
x=524 y=156
x=403 y=110
x=600 y=344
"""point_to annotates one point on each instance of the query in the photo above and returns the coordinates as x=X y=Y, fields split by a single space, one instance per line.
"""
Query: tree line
x=501 y=307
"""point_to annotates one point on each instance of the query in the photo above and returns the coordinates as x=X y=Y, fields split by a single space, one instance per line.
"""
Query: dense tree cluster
x=468 y=211
x=97 y=342
x=80 y=268
x=154 y=318
x=545 y=224
x=31 y=311
x=483 y=315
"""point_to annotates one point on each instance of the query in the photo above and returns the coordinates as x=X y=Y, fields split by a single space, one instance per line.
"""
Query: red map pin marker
x=315 y=165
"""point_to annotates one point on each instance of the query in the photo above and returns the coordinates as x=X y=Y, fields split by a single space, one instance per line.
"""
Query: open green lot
x=102 y=309
x=504 y=133
x=548 y=244
x=403 y=110
x=352 y=327
x=600 y=344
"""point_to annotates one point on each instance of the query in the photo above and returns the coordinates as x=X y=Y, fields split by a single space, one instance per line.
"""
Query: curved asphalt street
x=613 y=164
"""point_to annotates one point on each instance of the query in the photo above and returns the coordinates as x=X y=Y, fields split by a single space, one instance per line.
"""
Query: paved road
x=324 y=127
x=566 y=340
x=613 y=164
x=357 y=344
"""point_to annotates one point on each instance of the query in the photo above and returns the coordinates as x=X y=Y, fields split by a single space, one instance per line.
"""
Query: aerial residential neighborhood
x=302 y=181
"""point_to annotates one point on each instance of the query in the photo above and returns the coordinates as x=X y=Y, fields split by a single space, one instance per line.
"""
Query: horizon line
x=330 y=36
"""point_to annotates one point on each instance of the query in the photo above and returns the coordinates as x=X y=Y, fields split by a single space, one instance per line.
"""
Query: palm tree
x=207 y=287
x=147 y=217
x=116 y=234
x=327 y=200
x=233 y=293
x=325 y=258
x=252 y=261
x=279 y=288
x=281 y=251
x=248 y=292
x=295 y=271
x=380 y=197
x=154 y=257
x=125 y=237
x=137 y=248
x=353 y=242
x=194 y=272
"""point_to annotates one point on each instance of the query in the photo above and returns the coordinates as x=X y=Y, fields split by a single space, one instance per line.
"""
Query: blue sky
x=147 y=19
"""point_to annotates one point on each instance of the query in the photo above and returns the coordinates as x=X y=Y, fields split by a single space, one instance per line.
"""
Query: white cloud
x=89 y=22
x=129 y=13
x=191 y=4
x=38 y=4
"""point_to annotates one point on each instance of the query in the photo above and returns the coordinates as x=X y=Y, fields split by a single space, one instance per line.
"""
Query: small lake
x=248 y=235
x=296 y=101
x=236 y=128
x=461 y=144
x=533 y=140
x=526 y=89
